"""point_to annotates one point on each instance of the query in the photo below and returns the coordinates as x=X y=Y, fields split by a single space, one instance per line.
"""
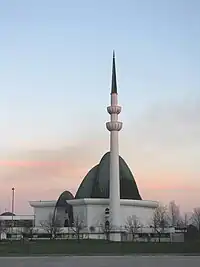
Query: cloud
x=161 y=146
x=45 y=173
x=167 y=131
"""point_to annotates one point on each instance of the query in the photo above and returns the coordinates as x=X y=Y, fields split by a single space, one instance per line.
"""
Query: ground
x=93 y=247
x=98 y=261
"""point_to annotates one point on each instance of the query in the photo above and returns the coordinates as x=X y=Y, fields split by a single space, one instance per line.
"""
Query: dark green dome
x=96 y=182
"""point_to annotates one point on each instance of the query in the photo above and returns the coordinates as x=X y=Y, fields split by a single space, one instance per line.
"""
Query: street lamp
x=13 y=201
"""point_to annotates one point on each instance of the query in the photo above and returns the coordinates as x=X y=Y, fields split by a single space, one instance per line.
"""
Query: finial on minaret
x=114 y=79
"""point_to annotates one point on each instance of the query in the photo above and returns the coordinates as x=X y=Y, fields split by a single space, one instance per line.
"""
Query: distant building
x=7 y=219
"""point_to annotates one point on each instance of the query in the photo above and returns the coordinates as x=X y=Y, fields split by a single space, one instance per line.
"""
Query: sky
x=55 y=76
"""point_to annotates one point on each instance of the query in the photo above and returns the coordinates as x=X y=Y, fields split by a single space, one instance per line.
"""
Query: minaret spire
x=114 y=78
x=114 y=126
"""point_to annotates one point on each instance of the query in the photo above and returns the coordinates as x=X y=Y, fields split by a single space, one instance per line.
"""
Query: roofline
x=43 y=203
x=106 y=201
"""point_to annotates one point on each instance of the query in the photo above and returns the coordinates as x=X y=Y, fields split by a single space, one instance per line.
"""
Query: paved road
x=118 y=261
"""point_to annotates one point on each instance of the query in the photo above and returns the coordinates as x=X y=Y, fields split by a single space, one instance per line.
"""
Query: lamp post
x=13 y=202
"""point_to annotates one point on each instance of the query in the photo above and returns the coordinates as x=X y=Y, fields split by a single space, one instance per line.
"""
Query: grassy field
x=91 y=247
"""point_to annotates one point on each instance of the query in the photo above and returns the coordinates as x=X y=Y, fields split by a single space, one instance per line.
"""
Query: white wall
x=42 y=209
x=143 y=214
x=92 y=211
x=42 y=214
x=80 y=211
x=96 y=214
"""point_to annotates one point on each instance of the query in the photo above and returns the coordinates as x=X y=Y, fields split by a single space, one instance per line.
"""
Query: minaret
x=114 y=126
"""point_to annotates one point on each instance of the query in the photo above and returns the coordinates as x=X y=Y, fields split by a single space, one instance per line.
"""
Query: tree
x=174 y=214
x=2 y=229
x=132 y=225
x=52 y=226
x=28 y=232
x=196 y=218
x=77 y=226
x=159 y=220
x=184 y=221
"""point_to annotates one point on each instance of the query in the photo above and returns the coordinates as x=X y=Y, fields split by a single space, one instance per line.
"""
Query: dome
x=7 y=213
x=62 y=200
x=63 y=211
x=96 y=182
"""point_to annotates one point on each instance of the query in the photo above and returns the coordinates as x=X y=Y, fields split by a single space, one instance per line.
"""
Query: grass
x=93 y=247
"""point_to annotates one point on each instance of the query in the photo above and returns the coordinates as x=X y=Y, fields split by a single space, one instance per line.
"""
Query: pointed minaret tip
x=114 y=78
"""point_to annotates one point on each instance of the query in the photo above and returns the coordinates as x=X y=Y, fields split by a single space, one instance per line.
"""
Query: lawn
x=92 y=247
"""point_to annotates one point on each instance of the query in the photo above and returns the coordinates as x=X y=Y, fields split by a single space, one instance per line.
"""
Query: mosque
x=108 y=193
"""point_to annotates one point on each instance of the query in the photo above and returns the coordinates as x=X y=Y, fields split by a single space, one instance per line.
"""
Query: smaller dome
x=63 y=210
x=62 y=200
x=7 y=213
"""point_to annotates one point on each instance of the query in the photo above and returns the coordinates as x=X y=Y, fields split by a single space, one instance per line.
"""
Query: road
x=101 y=261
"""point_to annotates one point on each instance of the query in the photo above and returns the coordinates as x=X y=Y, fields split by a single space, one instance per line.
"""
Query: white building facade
x=91 y=212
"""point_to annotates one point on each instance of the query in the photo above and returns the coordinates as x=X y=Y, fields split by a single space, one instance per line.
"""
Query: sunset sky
x=55 y=73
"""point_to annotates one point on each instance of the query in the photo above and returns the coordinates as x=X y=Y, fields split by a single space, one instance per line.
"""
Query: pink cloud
x=32 y=163
x=42 y=175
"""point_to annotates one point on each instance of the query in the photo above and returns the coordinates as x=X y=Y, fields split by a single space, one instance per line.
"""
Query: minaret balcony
x=114 y=109
x=114 y=125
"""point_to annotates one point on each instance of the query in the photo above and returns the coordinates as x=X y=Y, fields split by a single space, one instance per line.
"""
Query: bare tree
x=184 y=221
x=2 y=228
x=174 y=214
x=52 y=226
x=77 y=226
x=28 y=232
x=196 y=218
x=132 y=225
x=159 y=220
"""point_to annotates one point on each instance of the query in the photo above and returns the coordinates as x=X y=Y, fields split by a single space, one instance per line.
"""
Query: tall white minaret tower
x=114 y=126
